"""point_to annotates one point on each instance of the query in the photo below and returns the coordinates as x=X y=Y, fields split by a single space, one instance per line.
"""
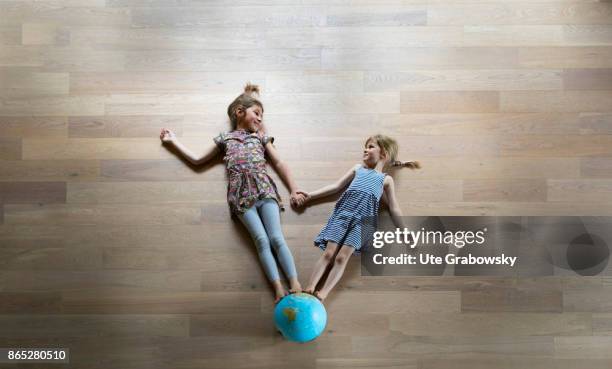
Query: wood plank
x=602 y=324
x=32 y=84
x=145 y=192
x=61 y=60
x=358 y=324
x=191 y=38
x=32 y=192
x=557 y=146
x=49 y=254
x=52 y=106
x=504 y=190
x=476 y=361
x=494 y=324
x=30 y=302
x=588 y=35
x=97 y=148
x=377 y=16
x=465 y=80
x=594 y=299
x=10 y=148
x=160 y=302
x=588 y=190
x=512 y=300
x=253 y=324
x=449 y=102
x=183 y=258
x=29 y=127
x=101 y=214
x=417 y=57
x=10 y=35
x=596 y=123
x=513 y=35
x=222 y=60
x=160 y=82
x=229 y=16
x=22 y=12
x=586 y=347
x=333 y=103
x=587 y=79
x=406 y=345
x=596 y=167
x=531 y=208
x=366 y=363
x=314 y=82
x=122 y=126
x=519 y=14
x=99 y=280
x=45 y=33
x=384 y=39
x=555 y=101
x=160 y=104
x=37 y=326
x=48 y=170
x=157 y=170
x=567 y=56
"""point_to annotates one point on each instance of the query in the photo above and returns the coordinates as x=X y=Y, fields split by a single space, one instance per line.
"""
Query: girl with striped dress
x=354 y=218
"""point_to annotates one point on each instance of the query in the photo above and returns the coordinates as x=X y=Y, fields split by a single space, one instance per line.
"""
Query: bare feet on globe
x=279 y=291
x=309 y=290
x=320 y=296
x=294 y=285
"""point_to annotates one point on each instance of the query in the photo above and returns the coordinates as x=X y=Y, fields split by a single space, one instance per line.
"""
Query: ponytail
x=407 y=164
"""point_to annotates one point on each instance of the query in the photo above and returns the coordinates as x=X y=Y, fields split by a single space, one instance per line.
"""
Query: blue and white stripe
x=361 y=199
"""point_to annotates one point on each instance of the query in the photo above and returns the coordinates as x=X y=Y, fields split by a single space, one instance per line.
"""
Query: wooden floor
x=115 y=248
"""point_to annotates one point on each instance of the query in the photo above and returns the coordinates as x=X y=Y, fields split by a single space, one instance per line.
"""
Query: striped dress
x=354 y=218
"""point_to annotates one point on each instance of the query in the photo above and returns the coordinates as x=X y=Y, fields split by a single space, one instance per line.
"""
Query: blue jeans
x=262 y=220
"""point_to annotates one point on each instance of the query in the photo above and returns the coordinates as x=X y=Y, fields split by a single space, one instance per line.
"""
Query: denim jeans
x=262 y=220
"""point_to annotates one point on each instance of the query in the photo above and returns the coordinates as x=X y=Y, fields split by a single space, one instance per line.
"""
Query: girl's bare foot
x=279 y=295
x=320 y=296
x=294 y=286
x=309 y=290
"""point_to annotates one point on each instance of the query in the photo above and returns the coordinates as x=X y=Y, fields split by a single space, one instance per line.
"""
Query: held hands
x=167 y=135
x=299 y=199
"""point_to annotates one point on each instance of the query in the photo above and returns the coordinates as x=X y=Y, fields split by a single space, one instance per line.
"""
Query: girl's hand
x=299 y=198
x=167 y=135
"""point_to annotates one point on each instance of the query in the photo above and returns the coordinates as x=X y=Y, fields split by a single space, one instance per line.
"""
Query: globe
x=300 y=317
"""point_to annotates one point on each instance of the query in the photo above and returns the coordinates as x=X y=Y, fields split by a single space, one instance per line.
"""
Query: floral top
x=246 y=169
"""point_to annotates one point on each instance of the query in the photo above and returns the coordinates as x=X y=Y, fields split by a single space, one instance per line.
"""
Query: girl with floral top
x=251 y=193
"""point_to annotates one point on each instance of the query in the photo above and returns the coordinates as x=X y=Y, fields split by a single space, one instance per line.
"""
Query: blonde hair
x=245 y=100
x=390 y=148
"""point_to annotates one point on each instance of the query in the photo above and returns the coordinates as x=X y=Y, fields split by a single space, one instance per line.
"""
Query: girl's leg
x=337 y=270
x=270 y=214
x=253 y=224
x=321 y=266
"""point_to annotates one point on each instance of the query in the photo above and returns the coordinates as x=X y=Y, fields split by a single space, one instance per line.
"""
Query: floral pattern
x=246 y=169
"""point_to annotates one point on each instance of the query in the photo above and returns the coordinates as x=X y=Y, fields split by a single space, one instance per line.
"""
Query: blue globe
x=300 y=317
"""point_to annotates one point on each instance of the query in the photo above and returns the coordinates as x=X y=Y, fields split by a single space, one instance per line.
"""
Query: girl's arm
x=334 y=187
x=283 y=170
x=167 y=136
x=394 y=208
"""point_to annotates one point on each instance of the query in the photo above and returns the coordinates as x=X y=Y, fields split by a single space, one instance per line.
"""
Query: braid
x=407 y=164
